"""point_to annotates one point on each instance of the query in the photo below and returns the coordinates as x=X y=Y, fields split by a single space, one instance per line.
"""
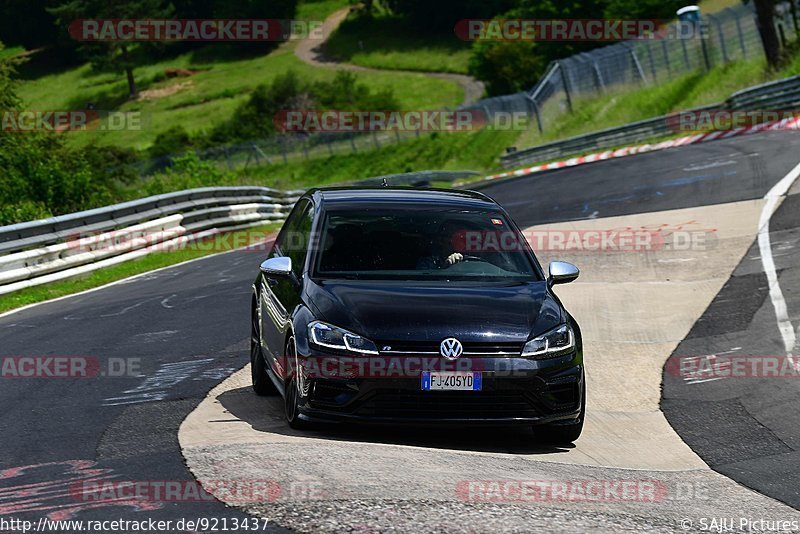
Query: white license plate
x=451 y=381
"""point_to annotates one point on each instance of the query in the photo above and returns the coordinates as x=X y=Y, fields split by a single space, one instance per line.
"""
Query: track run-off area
x=661 y=450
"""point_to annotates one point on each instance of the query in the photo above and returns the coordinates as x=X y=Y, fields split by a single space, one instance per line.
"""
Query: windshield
x=422 y=245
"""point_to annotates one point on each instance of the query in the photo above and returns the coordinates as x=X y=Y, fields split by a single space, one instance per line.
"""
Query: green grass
x=713 y=6
x=318 y=9
x=157 y=260
x=210 y=96
x=387 y=42
x=477 y=151
x=11 y=51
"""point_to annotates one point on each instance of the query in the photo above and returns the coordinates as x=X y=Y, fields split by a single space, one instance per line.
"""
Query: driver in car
x=441 y=250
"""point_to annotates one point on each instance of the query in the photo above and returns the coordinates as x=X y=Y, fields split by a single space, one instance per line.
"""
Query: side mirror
x=280 y=267
x=562 y=272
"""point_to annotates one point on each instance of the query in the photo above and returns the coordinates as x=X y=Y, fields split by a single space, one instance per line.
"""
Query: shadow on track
x=266 y=415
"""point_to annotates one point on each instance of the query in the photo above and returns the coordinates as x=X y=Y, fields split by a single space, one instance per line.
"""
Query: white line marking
x=774 y=198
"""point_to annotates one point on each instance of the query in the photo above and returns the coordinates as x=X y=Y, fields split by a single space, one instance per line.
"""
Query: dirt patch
x=161 y=92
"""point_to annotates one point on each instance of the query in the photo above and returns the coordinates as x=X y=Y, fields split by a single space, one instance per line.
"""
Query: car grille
x=432 y=347
x=449 y=404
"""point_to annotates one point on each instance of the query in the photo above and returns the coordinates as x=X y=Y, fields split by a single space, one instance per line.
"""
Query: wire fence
x=285 y=148
x=723 y=37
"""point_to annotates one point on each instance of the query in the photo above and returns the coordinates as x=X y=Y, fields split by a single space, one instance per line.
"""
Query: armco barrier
x=62 y=247
x=634 y=132
x=778 y=95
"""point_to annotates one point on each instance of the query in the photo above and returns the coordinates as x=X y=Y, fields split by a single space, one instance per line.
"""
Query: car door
x=280 y=296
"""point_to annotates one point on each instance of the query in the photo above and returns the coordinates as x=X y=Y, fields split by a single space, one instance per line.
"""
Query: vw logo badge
x=451 y=348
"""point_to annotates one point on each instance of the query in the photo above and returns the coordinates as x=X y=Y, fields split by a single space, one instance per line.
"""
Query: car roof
x=364 y=196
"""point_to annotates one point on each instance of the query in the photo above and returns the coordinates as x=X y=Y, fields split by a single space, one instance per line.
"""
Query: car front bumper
x=514 y=390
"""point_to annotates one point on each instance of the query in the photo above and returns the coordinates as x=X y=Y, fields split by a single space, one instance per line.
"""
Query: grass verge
x=389 y=42
x=219 y=243
x=476 y=151
x=318 y=10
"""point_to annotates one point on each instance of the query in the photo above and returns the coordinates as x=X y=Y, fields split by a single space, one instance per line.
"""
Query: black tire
x=562 y=434
x=291 y=398
x=262 y=384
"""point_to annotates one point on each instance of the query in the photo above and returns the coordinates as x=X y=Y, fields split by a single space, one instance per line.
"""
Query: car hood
x=503 y=313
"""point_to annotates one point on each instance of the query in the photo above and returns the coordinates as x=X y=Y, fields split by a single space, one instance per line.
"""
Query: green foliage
x=443 y=14
x=187 y=172
x=643 y=9
x=507 y=66
x=8 y=94
x=513 y=66
x=345 y=93
x=113 y=56
x=254 y=118
x=388 y=41
x=27 y=23
x=176 y=140
x=43 y=177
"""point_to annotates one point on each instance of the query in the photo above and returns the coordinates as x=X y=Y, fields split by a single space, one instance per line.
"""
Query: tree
x=27 y=23
x=41 y=175
x=440 y=15
x=112 y=56
x=765 y=16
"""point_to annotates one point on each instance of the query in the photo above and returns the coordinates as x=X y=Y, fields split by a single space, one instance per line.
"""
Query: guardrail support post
x=685 y=54
x=537 y=115
x=721 y=34
x=638 y=66
x=666 y=55
x=740 y=32
x=652 y=63
x=565 y=83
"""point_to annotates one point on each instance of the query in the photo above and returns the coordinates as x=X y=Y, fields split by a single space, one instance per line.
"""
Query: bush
x=43 y=177
x=187 y=172
x=506 y=67
x=176 y=140
x=254 y=118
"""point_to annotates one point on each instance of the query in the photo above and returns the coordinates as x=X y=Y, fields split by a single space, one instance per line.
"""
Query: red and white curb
x=783 y=124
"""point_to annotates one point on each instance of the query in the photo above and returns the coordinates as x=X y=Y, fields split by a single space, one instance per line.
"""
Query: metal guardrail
x=772 y=96
x=58 y=248
x=780 y=95
x=417 y=179
x=644 y=130
x=62 y=247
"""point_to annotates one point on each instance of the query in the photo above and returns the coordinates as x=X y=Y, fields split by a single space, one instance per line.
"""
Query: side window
x=294 y=238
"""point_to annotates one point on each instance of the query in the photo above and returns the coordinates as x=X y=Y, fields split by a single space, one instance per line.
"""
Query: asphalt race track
x=186 y=328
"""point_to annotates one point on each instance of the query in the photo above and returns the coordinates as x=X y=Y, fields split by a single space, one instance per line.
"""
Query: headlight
x=557 y=341
x=333 y=337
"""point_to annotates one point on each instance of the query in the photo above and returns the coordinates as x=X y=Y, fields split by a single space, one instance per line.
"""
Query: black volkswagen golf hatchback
x=400 y=305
